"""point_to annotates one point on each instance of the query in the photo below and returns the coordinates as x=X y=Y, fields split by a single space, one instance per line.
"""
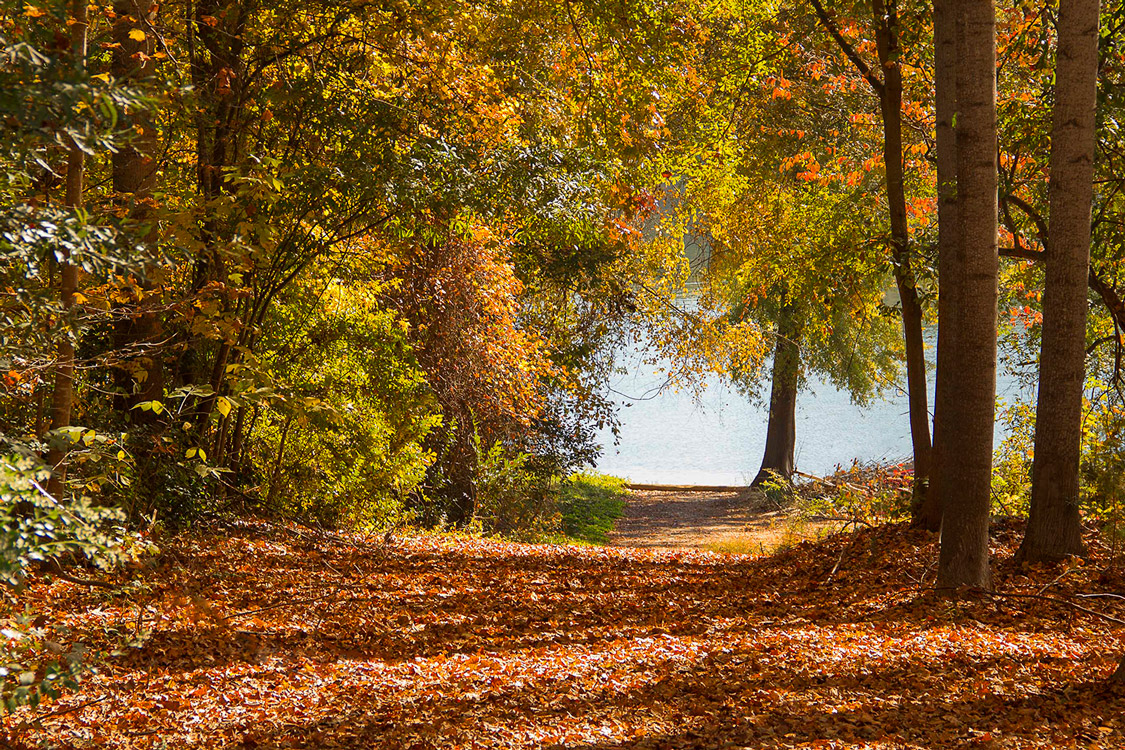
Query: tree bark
x=275 y=475
x=890 y=106
x=889 y=90
x=963 y=560
x=62 y=400
x=927 y=513
x=1054 y=529
x=781 y=432
x=217 y=71
x=134 y=176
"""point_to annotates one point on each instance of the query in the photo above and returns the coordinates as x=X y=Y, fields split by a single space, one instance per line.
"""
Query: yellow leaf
x=32 y=12
x=102 y=77
x=223 y=405
x=137 y=35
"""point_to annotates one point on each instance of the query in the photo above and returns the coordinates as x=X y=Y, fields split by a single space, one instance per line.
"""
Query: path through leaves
x=267 y=637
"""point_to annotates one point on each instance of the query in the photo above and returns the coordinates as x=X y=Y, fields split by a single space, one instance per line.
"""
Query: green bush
x=36 y=528
x=1103 y=468
x=345 y=446
x=1011 y=473
x=511 y=499
x=1102 y=461
x=590 y=504
x=33 y=667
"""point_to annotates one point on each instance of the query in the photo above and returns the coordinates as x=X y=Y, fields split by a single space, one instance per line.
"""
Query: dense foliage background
x=368 y=265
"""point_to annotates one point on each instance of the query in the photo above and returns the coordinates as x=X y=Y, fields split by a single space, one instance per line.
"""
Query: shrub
x=36 y=528
x=1011 y=474
x=1103 y=470
x=511 y=499
x=868 y=493
x=590 y=504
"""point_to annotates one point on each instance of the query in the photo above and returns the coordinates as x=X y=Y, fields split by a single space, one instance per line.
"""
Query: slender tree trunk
x=62 y=399
x=219 y=446
x=781 y=432
x=964 y=539
x=890 y=105
x=927 y=514
x=236 y=443
x=275 y=476
x=134 y=176
x=217 y=71
x=1054 y=529
x=889 y=90
x=40 y=409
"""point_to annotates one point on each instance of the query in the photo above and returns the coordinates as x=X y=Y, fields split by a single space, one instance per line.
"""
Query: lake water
x=673 y=439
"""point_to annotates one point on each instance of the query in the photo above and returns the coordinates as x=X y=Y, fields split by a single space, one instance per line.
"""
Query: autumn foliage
x=461 y=300
x=282 y=281
x=271 y=637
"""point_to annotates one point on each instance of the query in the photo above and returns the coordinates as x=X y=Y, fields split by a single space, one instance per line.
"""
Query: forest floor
x=264 y=636
x=740 y=521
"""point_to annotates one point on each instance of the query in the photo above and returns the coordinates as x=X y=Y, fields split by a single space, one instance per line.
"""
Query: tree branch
x=1022 y=252
x=846 y=47
x=1110 y=297
x=1057 y=600
x=1029 y=210
x=54 y=567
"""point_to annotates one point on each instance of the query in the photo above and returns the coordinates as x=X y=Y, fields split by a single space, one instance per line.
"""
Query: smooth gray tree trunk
x=927 y=514
x=967 y=475
x=1054 y=529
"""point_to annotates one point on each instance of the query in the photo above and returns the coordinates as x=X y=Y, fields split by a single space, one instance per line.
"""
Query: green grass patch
x=589 y=504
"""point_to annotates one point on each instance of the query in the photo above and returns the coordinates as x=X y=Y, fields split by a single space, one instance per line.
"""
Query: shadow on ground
x=266 y=637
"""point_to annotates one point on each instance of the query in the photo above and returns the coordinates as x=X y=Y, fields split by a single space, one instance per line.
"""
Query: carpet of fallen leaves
x=273 y=637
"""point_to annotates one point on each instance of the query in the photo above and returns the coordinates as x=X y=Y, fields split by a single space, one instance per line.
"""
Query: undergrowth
x=590 y=504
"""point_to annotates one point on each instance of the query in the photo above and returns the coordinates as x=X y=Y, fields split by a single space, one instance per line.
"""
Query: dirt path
x=722 y=521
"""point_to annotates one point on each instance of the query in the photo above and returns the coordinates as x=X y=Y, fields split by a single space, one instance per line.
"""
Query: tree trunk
x=275 y=475
x=218 y=74
x=964 y=540
x=927 y=513
x=781 y=432
x=1054 y=529
x=889 y=90
x=890 y=105
x=134 y=176
x=237 y=441
x=62 y=399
